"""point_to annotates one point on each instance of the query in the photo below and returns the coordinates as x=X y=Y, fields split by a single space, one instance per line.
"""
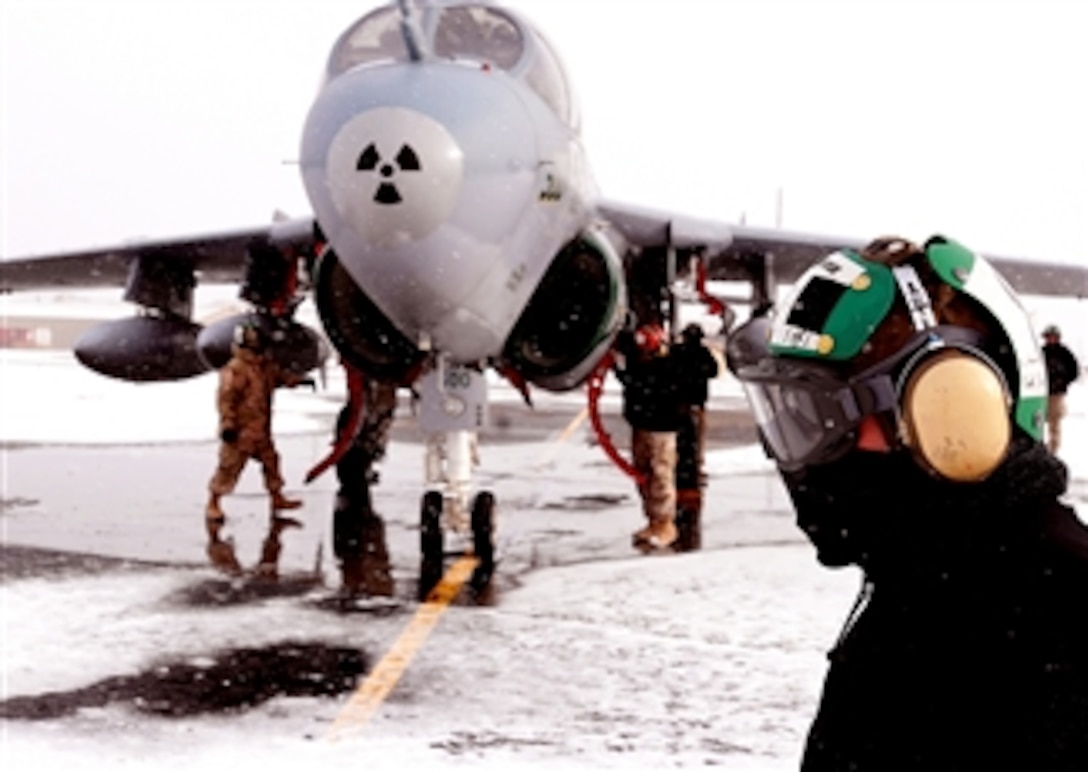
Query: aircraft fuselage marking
x=371 y=160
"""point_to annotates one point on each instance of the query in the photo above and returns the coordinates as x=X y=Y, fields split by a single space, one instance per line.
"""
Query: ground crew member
x=246 y=385
x=651 y=407
x=900 y=392
x=1062 y=368
x=695 y=367
x=358 y=531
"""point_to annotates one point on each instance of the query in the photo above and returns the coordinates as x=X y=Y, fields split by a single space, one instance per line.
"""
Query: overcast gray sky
x=126 y=119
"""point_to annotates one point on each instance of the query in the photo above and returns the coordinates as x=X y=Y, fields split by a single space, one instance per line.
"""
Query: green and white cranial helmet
x=839 y=304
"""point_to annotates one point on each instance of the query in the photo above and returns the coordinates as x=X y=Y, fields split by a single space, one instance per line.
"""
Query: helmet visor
x=808 y=414
x=805 y=414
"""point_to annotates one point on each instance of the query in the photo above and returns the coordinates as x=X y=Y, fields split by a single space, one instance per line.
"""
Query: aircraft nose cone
x=394 y=175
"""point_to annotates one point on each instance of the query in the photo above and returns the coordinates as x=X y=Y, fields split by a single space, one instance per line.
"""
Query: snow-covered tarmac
x=587 y=656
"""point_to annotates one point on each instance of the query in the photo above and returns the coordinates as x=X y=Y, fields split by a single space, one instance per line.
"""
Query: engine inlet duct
x=572 y=317
x=359 y=331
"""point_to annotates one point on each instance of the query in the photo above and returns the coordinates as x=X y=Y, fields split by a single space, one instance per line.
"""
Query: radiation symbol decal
x=406 y=161
x=394 y=175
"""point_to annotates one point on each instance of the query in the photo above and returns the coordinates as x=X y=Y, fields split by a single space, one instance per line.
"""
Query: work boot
x=361 y=576
x=689 y=507
x=659 y=534
x=279 y=501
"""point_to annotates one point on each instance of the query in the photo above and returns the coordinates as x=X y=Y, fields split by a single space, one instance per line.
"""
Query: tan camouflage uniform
x=652 y=409
x=654 y=457
x=246 y=385
x=1055 y=412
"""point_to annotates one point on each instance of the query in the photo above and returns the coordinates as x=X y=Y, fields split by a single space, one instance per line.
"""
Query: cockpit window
x=375 y=37
x=547 y=78
x=479 y=34
x=468 y=33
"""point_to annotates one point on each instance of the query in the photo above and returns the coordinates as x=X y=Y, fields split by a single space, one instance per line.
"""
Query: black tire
x=431 y=538
x=483 y=527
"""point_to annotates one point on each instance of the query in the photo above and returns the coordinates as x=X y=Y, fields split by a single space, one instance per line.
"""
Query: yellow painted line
x=551 y=450
x=385 y=675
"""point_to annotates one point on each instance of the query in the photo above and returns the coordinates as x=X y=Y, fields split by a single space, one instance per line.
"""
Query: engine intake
x=572 y=317
x=357 y=328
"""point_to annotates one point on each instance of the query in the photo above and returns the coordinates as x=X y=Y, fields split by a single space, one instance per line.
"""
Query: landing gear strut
x=452 y=410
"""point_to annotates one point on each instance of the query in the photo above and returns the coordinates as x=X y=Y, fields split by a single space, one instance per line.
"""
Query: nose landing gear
x=483 y=527
x=453 y=407
x=440 y=515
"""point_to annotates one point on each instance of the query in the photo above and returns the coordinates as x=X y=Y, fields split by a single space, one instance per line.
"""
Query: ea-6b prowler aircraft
x=456 y=227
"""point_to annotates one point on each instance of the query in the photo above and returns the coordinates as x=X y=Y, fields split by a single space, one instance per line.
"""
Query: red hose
x=596 y=383
x=347 y=431
x=715 y=306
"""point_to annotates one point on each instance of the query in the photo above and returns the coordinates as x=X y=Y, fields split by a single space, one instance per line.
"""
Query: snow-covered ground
x=600 y=660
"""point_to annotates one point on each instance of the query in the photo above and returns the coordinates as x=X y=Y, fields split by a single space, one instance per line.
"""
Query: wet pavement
x=221 y=682
x=131 y=517
x=557 y=502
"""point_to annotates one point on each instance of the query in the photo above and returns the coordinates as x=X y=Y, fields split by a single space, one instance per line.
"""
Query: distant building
x=29 y=332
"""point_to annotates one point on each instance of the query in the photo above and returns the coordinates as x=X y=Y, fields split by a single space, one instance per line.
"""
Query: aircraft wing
x=161 y=343
x=741 y=252
x=217 y=257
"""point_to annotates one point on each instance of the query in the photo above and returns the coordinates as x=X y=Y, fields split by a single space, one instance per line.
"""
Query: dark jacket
x=650 y=397
x=972 y=652
x=1062 y=367
x=695 y=367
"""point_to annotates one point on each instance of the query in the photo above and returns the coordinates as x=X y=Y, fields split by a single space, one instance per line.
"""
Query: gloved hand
x=229 y=436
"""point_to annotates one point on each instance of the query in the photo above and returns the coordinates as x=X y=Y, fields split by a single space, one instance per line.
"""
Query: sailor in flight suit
x=901 y=392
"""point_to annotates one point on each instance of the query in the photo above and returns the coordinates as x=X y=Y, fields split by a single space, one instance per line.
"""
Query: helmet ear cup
x=955 y=415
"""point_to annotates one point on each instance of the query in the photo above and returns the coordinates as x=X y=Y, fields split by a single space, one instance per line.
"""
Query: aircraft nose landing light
x=394 y=175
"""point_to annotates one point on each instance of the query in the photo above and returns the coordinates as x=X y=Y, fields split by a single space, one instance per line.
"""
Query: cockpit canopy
x=475 y=33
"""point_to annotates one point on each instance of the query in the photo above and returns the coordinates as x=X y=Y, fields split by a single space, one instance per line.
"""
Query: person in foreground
x=902 y=394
